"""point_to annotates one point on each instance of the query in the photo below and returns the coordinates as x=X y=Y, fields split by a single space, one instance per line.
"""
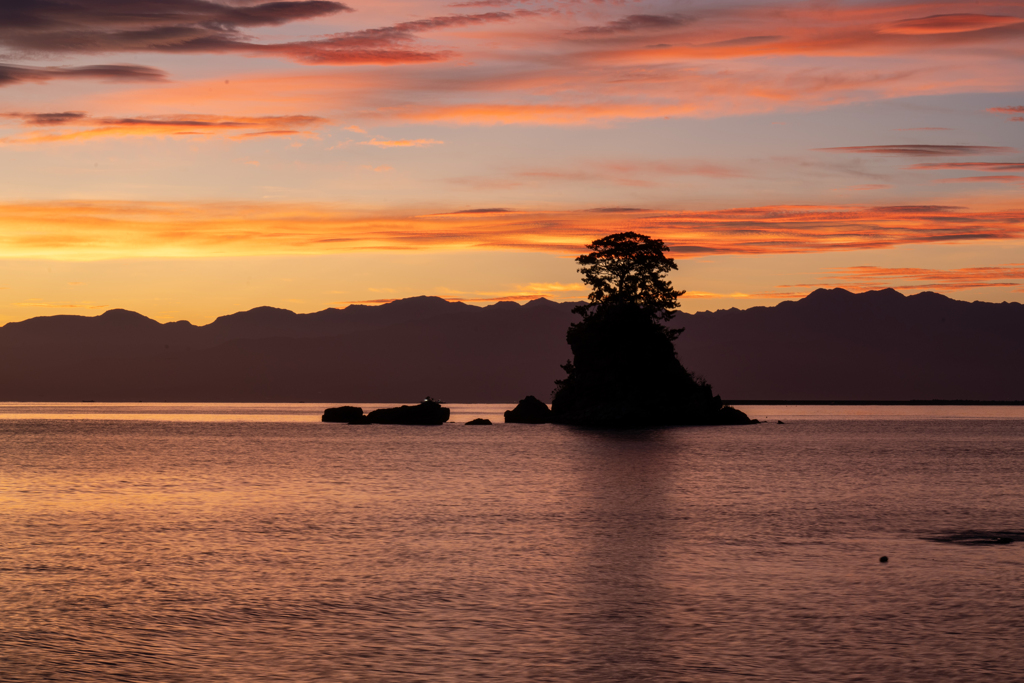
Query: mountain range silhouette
x=831 y=345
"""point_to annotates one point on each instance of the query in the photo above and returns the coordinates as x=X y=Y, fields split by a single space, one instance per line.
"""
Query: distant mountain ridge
x=876 y=345
x=831 y=345
x=399 y=351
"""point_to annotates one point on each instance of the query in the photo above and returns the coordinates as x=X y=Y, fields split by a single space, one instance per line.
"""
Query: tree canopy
x=631 y=269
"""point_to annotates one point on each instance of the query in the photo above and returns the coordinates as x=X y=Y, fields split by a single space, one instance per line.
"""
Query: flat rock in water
x=425 y=413
x=479 y=421
x=349 y=414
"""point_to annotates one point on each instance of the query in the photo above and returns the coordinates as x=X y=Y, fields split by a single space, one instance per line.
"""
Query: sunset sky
x=188 y=158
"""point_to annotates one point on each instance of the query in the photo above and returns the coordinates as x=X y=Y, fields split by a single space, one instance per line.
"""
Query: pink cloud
x=401 y=143
x=920 y=150
x=984 y=179
x=948 y=23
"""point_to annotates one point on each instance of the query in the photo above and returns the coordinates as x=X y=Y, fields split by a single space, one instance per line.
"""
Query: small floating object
x=780 y=422
x=883 y=559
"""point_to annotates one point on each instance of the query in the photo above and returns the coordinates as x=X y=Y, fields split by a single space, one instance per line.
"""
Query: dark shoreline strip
x=930 y=402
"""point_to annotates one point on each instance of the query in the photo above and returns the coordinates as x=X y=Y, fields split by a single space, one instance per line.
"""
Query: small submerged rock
x=478 y=421
x=973 y=537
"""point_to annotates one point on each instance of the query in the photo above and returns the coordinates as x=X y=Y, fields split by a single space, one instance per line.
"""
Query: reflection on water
x=216 y=412
x=187 y=549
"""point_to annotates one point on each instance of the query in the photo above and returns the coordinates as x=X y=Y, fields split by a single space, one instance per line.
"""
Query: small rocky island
x=531 y=410
x=427 y=412
x=625 y=372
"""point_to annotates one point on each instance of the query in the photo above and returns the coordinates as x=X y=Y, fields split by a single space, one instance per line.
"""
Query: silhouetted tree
x=630 y=269
x=624 y=371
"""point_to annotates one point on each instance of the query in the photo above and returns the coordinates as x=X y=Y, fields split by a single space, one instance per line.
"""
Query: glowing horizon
x=150 y=154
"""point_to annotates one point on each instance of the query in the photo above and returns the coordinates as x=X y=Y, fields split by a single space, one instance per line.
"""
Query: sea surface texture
x=163 y=542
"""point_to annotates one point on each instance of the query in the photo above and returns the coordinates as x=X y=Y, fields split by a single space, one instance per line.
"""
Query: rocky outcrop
x=480 y=421
x=346 y=414
x=625 y=374
x=530 y=410
x=425 y=413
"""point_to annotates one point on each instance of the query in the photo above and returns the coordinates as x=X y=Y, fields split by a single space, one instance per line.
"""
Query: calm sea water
x=163 y=542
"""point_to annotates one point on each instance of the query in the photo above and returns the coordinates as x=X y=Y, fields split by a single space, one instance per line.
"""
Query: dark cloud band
x=90 y=26
x=637 y=22
x=11 y=73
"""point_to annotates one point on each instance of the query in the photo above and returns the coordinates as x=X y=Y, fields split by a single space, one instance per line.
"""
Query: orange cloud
x=871 y=277
x=92 y=230
x=615 y=62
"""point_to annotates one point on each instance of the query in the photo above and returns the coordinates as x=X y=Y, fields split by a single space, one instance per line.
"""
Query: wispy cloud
x=969 y=166
x=387 y=45
x=948 y=23
x=204 y=26
x=93 y=26
x=633 y=23
x=983 y=179
x=861 y=278
x=552 y=66
x=11 y=74
x=920 y=150
x=402 y=143
x=1009 y=110
x=79 y=126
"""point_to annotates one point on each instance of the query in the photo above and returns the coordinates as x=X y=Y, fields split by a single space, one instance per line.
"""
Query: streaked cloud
x=1009 y=110
x=387 y=45
x=11 y=73
x=92 y=26
x=984 y=179
x=202 y=26
x=948 y=23
x=90 y=230
x=969 y=166
x=550 y=66
x=920 y=150
x=957 y=279
x=637 y=22
x=78 y=126
x=422 y=142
